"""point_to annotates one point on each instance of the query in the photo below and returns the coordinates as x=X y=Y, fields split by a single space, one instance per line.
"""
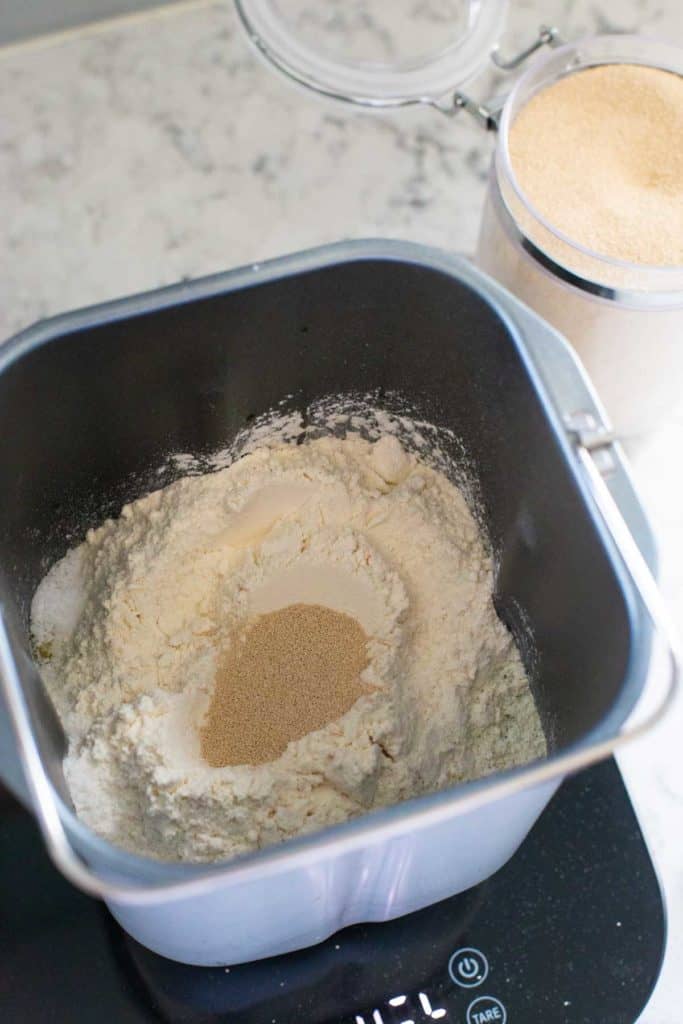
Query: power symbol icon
x=468 y=967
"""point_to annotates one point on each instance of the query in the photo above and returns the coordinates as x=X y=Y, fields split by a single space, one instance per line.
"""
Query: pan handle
x=73 y=867
x=598 y=443
x=40 y=789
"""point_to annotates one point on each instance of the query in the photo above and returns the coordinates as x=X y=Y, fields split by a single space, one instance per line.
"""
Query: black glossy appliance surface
x=570 y=931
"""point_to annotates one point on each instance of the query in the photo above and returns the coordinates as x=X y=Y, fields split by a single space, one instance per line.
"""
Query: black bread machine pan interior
x=92 y=404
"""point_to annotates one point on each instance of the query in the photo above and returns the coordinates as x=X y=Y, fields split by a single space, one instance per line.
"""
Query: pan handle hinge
x=595 y=438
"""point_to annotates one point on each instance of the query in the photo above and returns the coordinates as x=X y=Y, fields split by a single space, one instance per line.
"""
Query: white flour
x=129 y=624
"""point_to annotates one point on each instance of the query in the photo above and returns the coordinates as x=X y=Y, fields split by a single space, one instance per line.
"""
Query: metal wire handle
x=548 y=35
x=488 y=114
x=71 y=865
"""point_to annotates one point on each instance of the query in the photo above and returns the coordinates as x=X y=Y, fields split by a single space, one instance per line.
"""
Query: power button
x=468 y=967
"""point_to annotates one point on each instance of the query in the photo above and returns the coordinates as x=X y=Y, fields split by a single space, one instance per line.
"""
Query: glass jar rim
x=421 y=80
x=572 y=52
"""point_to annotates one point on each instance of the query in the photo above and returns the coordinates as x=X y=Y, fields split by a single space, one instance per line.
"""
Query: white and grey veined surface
x=160 y=148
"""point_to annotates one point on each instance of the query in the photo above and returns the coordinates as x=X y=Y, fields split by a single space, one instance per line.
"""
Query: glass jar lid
x=378 y=53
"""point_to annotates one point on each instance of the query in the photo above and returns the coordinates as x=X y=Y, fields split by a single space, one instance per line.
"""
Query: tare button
x=486 y=1010
x=468 y=968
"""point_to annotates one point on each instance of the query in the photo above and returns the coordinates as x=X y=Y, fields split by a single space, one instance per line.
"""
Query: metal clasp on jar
x=488 y=114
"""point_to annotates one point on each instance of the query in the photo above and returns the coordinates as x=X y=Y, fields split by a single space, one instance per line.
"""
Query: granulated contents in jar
x=600 y=155
x=288 y=673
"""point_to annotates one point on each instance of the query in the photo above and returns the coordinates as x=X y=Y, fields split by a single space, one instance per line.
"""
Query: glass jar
x=625 y=320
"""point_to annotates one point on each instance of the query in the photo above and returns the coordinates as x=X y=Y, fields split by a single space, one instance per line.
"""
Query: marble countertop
x=155 y=148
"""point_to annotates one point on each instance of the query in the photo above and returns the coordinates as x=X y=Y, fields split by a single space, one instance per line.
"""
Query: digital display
x=404 y=1010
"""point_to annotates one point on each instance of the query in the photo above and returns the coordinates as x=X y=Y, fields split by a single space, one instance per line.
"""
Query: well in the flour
x=286 y=674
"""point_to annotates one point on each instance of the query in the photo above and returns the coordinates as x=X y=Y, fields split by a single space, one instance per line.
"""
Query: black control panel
x=570 y=931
